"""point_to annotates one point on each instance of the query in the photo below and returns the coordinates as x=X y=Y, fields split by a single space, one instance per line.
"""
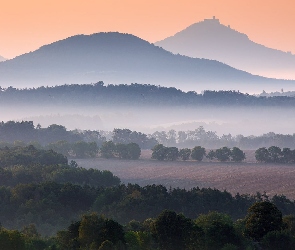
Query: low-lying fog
x=223 y=120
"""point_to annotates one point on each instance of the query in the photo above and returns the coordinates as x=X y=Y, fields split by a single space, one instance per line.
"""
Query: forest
x=139 y=94
x=47 y=202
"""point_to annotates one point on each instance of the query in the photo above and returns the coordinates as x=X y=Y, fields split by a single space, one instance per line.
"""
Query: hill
x=122 y=58
x=2 y=59
x=210 y=39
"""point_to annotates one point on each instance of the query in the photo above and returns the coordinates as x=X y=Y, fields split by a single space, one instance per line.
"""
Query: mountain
x=122 y=58
x=2 y=59
x=212 y=40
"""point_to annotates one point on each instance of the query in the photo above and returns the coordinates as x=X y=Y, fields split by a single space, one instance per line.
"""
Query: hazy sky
x=27 y=25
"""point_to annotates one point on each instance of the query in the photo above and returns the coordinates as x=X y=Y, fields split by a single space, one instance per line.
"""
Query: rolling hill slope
x=123 y=58
x=210 y=39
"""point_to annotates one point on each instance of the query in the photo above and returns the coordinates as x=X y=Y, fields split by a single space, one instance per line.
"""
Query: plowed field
x=246 y=178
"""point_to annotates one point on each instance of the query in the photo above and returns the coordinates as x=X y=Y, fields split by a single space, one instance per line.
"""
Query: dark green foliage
x=223 y=154
x=134 y=151
x=48 y=205
x=171 y=153
x=91 y=232
x=28 y=156
x=172 y=231
x=83 y=149
x=132 y=202
x=159 y=152
x=237 y=155
x=128 y=151
x=184 y=154
x=108 y=150
x=227 y=154
x=262 y=217
x=198 y=153
x=218 y=230
x=211 y=155
x=278 y=240
x=262 y=155
x=11 y=239
x=11 y=176
x=126 y=136
x=275 y=155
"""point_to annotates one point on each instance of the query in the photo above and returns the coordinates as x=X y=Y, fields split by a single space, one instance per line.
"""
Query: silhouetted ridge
x=116 y=58
x=212 y=40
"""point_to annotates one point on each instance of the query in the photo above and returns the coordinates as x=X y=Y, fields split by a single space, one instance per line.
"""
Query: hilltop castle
x=213 y=20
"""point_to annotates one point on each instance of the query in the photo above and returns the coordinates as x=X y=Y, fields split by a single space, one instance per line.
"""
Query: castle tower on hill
x=213 y=20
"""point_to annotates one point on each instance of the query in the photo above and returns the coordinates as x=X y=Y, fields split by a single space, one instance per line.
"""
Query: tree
x=122 y=151
x=128 y=151
x=223 y=154
x=262 y=155
x=184 y=153
x=171 y=153
x=171 y=230
x=237 y=154
x=108 y=149
x=262 y=217
x=211 y=155
x=278 y=240
x=218 y=230
x=134 y=151
x=159 y=152
x=275 y=154
x=11 y=239
x=288 y=155
x=94 y=230
x=198 y=153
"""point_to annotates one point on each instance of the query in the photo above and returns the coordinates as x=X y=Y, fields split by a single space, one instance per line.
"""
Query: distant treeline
x=58 y=138
x=139 y=94
x=209 y=139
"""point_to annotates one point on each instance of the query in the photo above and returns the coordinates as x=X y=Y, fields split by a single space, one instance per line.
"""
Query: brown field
x=246 y=178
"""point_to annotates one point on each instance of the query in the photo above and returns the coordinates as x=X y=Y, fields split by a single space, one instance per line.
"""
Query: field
x=246 y=178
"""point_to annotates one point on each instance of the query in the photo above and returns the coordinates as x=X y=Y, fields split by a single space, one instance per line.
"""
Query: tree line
x=160 y=152
x=275 y=154
x=210 y=139
x=139 y=94
x=57 y=137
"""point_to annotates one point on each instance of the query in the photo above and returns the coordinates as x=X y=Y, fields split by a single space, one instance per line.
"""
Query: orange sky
x=27 y=25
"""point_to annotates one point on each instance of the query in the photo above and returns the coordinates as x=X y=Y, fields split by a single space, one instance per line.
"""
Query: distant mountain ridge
x=212 y=40
x=122 y=58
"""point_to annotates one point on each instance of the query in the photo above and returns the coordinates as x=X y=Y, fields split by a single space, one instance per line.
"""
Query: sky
x=27 y=25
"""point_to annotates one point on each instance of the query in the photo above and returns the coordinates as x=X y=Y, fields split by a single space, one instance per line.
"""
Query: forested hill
x=139 y=94
x=120 y=58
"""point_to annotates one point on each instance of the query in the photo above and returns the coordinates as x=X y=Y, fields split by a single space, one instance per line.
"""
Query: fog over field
x=223 y=120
